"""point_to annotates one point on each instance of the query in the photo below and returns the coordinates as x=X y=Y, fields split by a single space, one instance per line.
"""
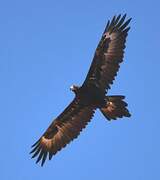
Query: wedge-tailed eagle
x=91 y=95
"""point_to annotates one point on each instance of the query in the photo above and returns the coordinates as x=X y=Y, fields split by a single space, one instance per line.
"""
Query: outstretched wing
x=109 y=54
x=62 y=130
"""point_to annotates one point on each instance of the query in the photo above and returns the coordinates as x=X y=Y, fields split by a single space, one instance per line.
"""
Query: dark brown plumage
x=91 y=95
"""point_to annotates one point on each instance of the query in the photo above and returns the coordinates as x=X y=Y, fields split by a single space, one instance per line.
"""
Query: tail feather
x=115 y=108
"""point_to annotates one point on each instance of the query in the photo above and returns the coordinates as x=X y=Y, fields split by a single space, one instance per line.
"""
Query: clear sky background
x=45 y=46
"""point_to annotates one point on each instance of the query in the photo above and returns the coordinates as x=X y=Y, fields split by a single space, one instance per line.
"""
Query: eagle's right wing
x=62 y=130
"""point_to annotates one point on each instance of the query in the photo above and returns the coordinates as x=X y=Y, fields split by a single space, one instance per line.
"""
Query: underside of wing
x=109 y=54
x=63 y=129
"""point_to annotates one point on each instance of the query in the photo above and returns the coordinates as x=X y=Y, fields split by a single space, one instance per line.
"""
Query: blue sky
x=45 y=46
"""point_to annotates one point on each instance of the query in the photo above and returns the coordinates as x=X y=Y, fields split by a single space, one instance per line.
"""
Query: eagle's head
x=74 y=88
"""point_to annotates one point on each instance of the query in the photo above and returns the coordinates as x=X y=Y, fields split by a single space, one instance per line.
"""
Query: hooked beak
x=72 y=88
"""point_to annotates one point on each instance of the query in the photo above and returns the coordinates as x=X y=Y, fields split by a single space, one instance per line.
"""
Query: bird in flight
x=91 y=95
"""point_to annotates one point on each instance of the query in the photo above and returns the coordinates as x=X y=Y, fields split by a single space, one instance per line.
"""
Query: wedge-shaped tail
x=115 y=108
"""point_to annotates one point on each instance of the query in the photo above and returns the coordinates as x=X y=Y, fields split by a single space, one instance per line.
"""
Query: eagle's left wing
x=109 y=54
x=66 y=127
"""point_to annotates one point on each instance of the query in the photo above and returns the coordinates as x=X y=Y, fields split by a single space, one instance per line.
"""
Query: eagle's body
x=91 y=95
